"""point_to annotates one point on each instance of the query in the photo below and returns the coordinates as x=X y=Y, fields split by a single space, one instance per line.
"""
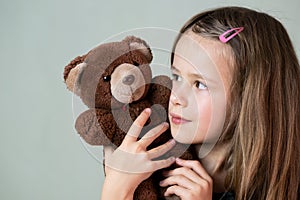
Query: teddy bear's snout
x=128 y=80
x=127 y=83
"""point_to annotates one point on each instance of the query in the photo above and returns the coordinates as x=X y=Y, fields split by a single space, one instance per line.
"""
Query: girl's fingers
x=177 y=190
x=189 y=173
x=162 y=149
x=138 y=125
x=151 y=135
x=187 y=183
x=180 y=180
x=159 y=164
x=195 y=166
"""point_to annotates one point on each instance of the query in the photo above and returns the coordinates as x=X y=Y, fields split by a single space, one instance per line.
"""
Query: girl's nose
x=178 y=99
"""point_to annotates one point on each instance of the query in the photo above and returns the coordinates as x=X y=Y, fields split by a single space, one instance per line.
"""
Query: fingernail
x=161 y=183
x=178 y=160
x=172 y=141
x=147 y=110
x=166 y=124
x=172 y=159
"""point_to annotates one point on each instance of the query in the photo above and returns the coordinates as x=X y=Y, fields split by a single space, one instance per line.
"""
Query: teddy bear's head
x=112 y=74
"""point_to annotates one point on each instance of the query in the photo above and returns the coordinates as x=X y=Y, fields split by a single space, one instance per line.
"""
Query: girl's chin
x=184 y=139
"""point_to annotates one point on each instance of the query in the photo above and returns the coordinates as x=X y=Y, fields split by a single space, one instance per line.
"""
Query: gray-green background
x=41 y=156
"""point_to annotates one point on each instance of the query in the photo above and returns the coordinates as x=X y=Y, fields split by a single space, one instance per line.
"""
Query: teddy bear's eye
x=106 y=78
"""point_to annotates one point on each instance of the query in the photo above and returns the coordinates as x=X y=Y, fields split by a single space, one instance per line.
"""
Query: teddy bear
x=114 y=80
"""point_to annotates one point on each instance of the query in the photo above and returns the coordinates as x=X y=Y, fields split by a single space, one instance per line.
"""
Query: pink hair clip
x=228 y=35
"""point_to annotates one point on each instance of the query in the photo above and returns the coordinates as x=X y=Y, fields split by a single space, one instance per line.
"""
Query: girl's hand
x=131 y=163
x=190 y=181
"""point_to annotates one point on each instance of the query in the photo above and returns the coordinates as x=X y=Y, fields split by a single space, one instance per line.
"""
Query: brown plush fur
x=107 y=120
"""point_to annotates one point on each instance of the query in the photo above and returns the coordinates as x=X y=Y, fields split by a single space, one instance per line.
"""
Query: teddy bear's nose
x=128 y=80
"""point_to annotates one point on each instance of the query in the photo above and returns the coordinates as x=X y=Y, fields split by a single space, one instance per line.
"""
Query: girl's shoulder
x=223 y=196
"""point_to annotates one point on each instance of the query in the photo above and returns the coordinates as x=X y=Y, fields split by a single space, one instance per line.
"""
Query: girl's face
x=201 y=77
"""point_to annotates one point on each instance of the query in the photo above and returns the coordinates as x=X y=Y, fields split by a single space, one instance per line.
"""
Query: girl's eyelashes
x=176 y=77
x=200 y=85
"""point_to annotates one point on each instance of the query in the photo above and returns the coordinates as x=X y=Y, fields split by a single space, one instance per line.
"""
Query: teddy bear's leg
x=91 y=125
x=146 y=191
x=155 y=178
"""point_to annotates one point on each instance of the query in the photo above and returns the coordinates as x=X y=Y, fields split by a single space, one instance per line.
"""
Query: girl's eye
x=176 y=77
x=200 y=85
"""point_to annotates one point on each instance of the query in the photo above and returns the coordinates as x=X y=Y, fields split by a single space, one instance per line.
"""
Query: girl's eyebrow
x=173 y=68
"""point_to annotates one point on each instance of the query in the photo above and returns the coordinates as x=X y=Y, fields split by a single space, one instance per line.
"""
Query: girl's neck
x=213 y=163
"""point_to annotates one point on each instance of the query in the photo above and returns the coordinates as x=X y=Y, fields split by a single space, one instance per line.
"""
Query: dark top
x=223 y=196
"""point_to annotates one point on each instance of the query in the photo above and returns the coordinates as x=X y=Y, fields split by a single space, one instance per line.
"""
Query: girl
x=236 y=88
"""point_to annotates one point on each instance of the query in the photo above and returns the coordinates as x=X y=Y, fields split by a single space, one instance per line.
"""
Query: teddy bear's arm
x=96 y=126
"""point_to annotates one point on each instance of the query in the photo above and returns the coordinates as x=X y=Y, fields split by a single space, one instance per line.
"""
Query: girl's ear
x=136 y=43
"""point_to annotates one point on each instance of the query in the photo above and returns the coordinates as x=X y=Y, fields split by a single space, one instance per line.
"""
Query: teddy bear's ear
x=72 y=72
x=73 y=79
x=136 y=43
x=72 y=64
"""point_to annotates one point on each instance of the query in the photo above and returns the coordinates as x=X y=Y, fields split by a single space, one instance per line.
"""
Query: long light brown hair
x=263 y=118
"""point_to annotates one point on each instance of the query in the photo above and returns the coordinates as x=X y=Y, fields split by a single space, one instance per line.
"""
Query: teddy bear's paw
x=161 y=90
x=89 y=129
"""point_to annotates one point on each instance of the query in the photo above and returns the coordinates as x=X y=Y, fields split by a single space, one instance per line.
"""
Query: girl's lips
x=176 y=119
